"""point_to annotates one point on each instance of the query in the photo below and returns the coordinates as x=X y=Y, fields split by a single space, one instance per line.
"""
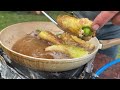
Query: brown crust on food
x=74 y=25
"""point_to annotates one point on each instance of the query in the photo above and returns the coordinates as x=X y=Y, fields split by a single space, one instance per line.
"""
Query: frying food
x=70 y=44
x=69 y=24
x=83 y=44
x=66 y=37
x=76 y=26
x=48 y=36
x=72 y=51
x=74 y=40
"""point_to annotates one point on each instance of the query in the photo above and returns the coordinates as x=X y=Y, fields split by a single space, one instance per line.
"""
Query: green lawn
x=11 y=17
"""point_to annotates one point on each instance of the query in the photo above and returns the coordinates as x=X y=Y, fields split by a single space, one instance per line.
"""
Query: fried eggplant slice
x=80 y=27
x=72 y=51
x=50 y=37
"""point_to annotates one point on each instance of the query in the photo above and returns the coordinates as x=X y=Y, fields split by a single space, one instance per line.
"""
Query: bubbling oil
x=32 y=46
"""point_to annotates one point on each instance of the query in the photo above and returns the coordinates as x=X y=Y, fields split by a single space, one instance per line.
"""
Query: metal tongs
x=50 y=18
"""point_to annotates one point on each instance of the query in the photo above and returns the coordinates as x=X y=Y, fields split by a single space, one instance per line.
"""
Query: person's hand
x=104 y=17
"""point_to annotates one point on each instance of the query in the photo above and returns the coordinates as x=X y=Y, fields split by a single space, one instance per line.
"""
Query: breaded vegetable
x=66 y=37
x=83 y=43
x=76 y=26
x=69 y=24
x=48 y=36
x=74 y=40
x=72 y=51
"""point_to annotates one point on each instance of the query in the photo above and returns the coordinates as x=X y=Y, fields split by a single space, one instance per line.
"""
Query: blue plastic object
x=106 y=66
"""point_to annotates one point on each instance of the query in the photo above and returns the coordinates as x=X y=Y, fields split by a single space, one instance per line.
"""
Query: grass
x=12 y=17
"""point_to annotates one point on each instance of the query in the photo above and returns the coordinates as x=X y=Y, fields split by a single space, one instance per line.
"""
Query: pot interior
x=13 y=33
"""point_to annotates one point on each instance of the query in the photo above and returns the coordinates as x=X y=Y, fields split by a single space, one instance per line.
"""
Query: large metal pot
x=11 y=34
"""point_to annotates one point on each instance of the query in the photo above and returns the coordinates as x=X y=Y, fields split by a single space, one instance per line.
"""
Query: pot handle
x=109 y=43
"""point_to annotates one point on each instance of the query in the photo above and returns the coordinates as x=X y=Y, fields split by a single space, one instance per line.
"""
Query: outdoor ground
x=11 y=17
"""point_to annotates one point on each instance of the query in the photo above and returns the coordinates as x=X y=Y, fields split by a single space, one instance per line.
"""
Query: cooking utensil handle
x=50 y=18
x=109 y=43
